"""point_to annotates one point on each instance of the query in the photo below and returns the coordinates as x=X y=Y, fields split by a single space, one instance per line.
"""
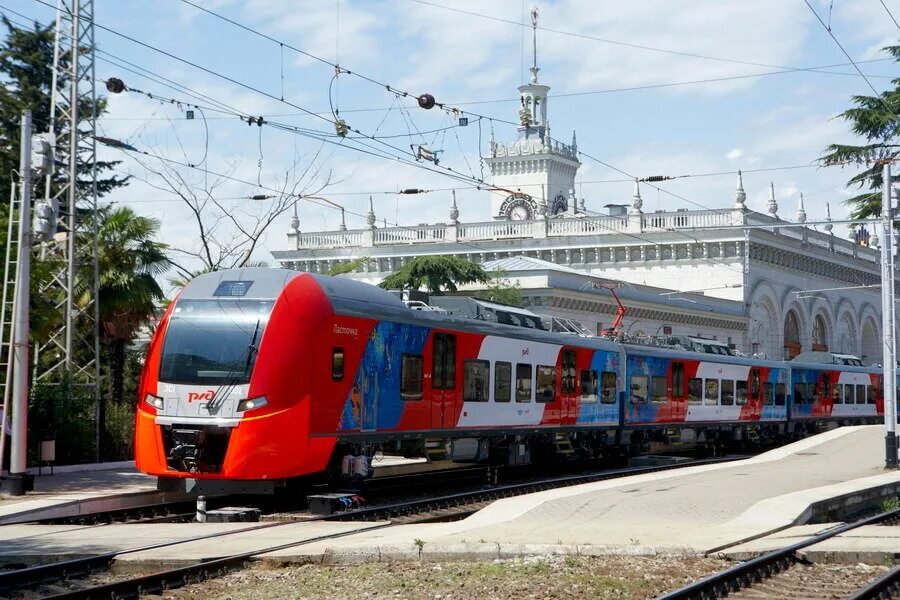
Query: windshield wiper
x=219 y=397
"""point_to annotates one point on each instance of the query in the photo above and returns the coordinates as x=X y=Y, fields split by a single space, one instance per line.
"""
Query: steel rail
x=764 y=566
x=887 y=586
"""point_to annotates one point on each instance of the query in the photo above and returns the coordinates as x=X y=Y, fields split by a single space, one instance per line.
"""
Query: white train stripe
x=857 y=378
x=513 y=414
x=698 y=412
x=853 y=410
x=714 y=370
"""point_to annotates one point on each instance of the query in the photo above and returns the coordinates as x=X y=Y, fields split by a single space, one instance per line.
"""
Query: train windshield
x=213 y=342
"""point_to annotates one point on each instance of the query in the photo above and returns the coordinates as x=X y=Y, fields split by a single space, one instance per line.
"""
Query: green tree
x=501 y=289
x=873 y=118
x=350 y=266
x=437 y=274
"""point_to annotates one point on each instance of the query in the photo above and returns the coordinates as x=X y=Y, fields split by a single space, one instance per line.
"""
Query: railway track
x=780 y=574
x=88 y=578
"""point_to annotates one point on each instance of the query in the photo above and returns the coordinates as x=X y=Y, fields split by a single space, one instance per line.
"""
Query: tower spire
x=801 y=211
x=534 y=21
x=740 y=197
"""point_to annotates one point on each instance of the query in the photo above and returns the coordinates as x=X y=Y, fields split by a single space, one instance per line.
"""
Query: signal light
x=154 y=401
x=252 y=403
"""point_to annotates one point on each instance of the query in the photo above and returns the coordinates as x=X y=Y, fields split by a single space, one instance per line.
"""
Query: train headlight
x=251 y=403
x=154 y=401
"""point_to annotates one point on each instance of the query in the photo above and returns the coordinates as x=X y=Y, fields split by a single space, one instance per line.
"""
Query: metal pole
x=19 y=452
x=71 y=246
x=887 y=322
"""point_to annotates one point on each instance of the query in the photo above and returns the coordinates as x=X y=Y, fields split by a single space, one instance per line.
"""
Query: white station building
x=683 y=272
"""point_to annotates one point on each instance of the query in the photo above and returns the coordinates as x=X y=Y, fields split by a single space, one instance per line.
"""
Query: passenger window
x=659 y=389
x=712 y=391
x=476 y=381
x=695 y=390
x=860 y=394
x=443 y=372
x=502 y=381
x=740 y=392
x=607 y=387
x=799 y=393
x=727 y=392
x=568 y=372
x=678 y=380
x=523 y=383
x=411 y=377
x=639 y=385
x=769 y=391
x=780 y=394
x=546 y=383
x=337 y=364
x=588 y=386
x=848 y=394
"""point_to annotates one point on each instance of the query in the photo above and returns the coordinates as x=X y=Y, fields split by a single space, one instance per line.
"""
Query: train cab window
x=523 y=383
x=727 y=392
x=870 y=394
x=502 y=381
x=337 y=364
x=608 y=382
x=568 y=372
x=740 y=392
x=546 y=383
x=588 y=385
x=695 y=390
x=443 y=372
x=411 y=377
x=769 y=391
x=639 y=385
x=659 y=389
x=860 y=394
x=476 y=381
x=780 y=394
x=849 y=394
x=799 y=393
x=678 y=380
x=711 y=394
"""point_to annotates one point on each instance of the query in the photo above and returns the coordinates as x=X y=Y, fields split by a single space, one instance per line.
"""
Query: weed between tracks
x=572 y=578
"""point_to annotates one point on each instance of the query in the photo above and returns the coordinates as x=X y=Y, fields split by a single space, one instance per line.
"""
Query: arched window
x=792 y=345
x=820 y=334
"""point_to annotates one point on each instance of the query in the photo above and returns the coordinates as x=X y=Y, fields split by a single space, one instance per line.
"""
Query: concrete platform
x=690 y=510
x=873 y=544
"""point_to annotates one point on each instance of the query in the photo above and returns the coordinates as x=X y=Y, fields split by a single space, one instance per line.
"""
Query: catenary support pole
x=887 y=322
x=18 y=455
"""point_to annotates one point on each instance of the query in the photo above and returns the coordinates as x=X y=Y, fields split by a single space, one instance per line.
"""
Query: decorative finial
x=493 y=143
x=636 y=201
x=574 y=142
x=581 y=208
x=801 y=211
x=454 y=211
x=343 y=226
x=548 y=141
x=542 y=205
x=534 y=68
x=740 y=197
x=773 y=205
x=829 y=226
x=295 y=221
x=370 y=217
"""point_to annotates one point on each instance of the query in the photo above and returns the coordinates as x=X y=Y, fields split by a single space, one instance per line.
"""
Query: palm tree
x=438 y=274
x=129 y=261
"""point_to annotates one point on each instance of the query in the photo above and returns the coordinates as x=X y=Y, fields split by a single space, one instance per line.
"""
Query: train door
x=443 y=380
x=568 y=388
x=368 y=418
x=755 y=394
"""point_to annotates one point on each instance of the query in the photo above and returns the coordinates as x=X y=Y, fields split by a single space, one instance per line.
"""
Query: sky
x=597 y=49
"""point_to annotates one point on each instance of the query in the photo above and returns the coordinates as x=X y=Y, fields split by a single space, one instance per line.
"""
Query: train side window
x=711 y=394
x=727 y=392
x=337 y=364
x=523 y=382
x=639 y=384
x=502 y=381
x=568 y=372
x=740 y=392
x=659 y=389
x=870 y=394
x=608 y=382
x=860 y=394
x=588 y=386
x=476 y=381
x=695 y=390
x=848 y=394
x=546 y=383
x=780 y=394
x=411 y=377
x=443 y=371
x=678 y=380
x=769 y=390
x=799 y=393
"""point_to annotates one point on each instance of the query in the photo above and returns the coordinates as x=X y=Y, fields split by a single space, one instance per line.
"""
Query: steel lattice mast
x=73 y=348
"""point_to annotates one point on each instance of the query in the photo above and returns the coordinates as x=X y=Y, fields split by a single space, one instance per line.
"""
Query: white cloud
x=734 y=154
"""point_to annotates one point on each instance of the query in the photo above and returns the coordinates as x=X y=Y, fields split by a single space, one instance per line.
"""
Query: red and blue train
x=267 y=375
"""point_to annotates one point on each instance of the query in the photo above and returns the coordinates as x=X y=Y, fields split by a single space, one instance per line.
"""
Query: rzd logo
x=197 y=396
